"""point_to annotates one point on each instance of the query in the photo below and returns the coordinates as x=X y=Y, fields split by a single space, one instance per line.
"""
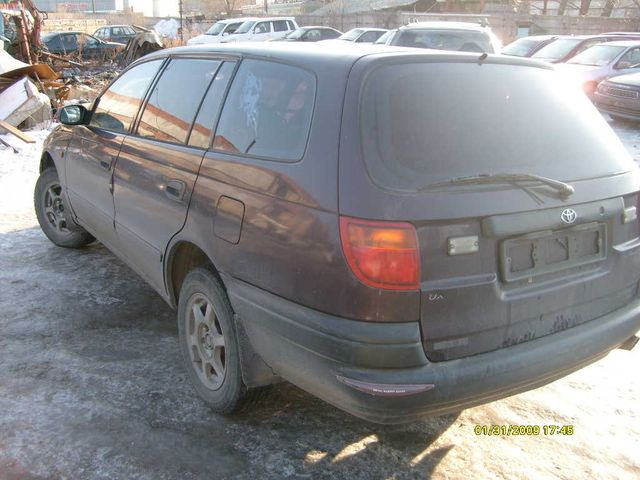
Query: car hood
x=632 y=80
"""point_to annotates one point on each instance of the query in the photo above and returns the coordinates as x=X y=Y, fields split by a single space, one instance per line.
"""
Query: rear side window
x=267 y=112
x=280 y=26
x=119 y=104
x=479 y=119
x=175 y=98
x=202 y=131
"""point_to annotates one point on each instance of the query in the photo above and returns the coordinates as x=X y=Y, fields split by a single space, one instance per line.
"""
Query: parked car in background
x=603 y=61
x=619 y=97
x=258 y=30
x=311 y=34
x=218 y=31
x=460 y=36
x=564 y=48
x=81 y=44
x=352 y=221
x=527 y=46
x=362 y=35
x=118 y=33
x=382 y=40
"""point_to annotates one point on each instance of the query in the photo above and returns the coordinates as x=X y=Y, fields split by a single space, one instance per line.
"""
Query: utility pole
x=93 y=5
x=181 y=33
x=266 y=6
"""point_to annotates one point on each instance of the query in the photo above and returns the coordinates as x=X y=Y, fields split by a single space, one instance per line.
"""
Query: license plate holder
x=550 y=251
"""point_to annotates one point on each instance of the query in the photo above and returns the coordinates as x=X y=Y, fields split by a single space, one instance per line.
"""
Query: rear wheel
x=209 y=343
x=52 y=214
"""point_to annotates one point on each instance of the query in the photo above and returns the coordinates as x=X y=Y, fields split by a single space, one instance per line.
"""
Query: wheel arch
x=46 y=161
x=182 y=257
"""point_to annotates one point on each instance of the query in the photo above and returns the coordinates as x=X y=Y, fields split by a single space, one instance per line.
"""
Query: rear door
x=157 y=166
x=94 y=149
x=280 y=28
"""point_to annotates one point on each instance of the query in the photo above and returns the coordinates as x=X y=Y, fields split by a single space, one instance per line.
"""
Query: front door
x=94 y=149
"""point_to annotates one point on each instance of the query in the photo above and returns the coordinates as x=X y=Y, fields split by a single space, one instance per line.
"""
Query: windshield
x=558 y=49
x=383 y=39
x=216 y=29
x=520 y=48
x=351 y=35
x=296 y=34
x=598 y=55
x=246 y=26
x=422 y=123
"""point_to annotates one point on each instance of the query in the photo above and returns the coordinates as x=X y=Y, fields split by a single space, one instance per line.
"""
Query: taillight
x=382 y=254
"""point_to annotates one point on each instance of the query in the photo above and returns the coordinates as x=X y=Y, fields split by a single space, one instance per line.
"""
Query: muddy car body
x=323 y=220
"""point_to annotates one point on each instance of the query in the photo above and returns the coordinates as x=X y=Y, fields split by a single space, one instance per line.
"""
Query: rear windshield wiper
x=488 y=178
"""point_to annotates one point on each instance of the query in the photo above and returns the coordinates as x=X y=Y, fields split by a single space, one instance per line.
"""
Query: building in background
x=79 y=5
x=150 y=8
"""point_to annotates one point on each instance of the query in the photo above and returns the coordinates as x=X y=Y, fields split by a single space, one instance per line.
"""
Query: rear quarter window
x=423 y=123
x=267 y=112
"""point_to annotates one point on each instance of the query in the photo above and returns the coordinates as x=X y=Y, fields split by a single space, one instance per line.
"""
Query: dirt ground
x=92 y=386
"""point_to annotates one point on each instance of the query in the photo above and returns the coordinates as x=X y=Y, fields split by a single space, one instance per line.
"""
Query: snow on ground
x=18 y=175
x=91 y=386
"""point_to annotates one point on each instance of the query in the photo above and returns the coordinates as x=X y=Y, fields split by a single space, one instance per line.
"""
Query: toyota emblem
x=568 y=215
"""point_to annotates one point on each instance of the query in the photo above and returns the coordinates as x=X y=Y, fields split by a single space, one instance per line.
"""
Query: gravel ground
x=91 y=386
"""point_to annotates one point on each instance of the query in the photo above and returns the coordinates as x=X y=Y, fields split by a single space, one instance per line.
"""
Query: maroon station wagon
x=399 y=232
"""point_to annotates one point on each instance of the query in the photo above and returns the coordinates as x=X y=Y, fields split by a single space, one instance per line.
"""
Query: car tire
x=209 y=342
x=52 y=214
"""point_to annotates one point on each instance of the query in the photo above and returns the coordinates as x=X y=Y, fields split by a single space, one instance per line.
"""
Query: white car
x=261 y=29
x=218 y=31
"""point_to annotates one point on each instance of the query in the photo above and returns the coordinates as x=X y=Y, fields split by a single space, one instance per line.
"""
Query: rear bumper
x=312 y=350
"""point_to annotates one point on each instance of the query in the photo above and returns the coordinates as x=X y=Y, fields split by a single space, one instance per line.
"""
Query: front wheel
x=52 y=212
x=209 y=343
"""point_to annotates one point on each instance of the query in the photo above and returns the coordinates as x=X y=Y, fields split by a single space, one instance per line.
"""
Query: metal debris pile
x=35 y=82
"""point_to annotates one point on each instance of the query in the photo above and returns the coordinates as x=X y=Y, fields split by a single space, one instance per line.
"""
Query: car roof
x=262 y=19
x=537 y=37
x=236 y=20
x=622 y=43
x=315 y=56
x=445 y=25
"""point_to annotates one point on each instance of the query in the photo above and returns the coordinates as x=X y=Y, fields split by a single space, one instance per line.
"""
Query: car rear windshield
x=422 y=123
x=558 y=49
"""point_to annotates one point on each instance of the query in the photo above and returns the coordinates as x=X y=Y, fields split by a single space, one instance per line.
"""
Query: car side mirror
x=74 y=115
x=225 y=34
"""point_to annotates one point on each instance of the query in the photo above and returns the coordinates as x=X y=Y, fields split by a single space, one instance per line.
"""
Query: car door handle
x=174 y=189
x=106 y=164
